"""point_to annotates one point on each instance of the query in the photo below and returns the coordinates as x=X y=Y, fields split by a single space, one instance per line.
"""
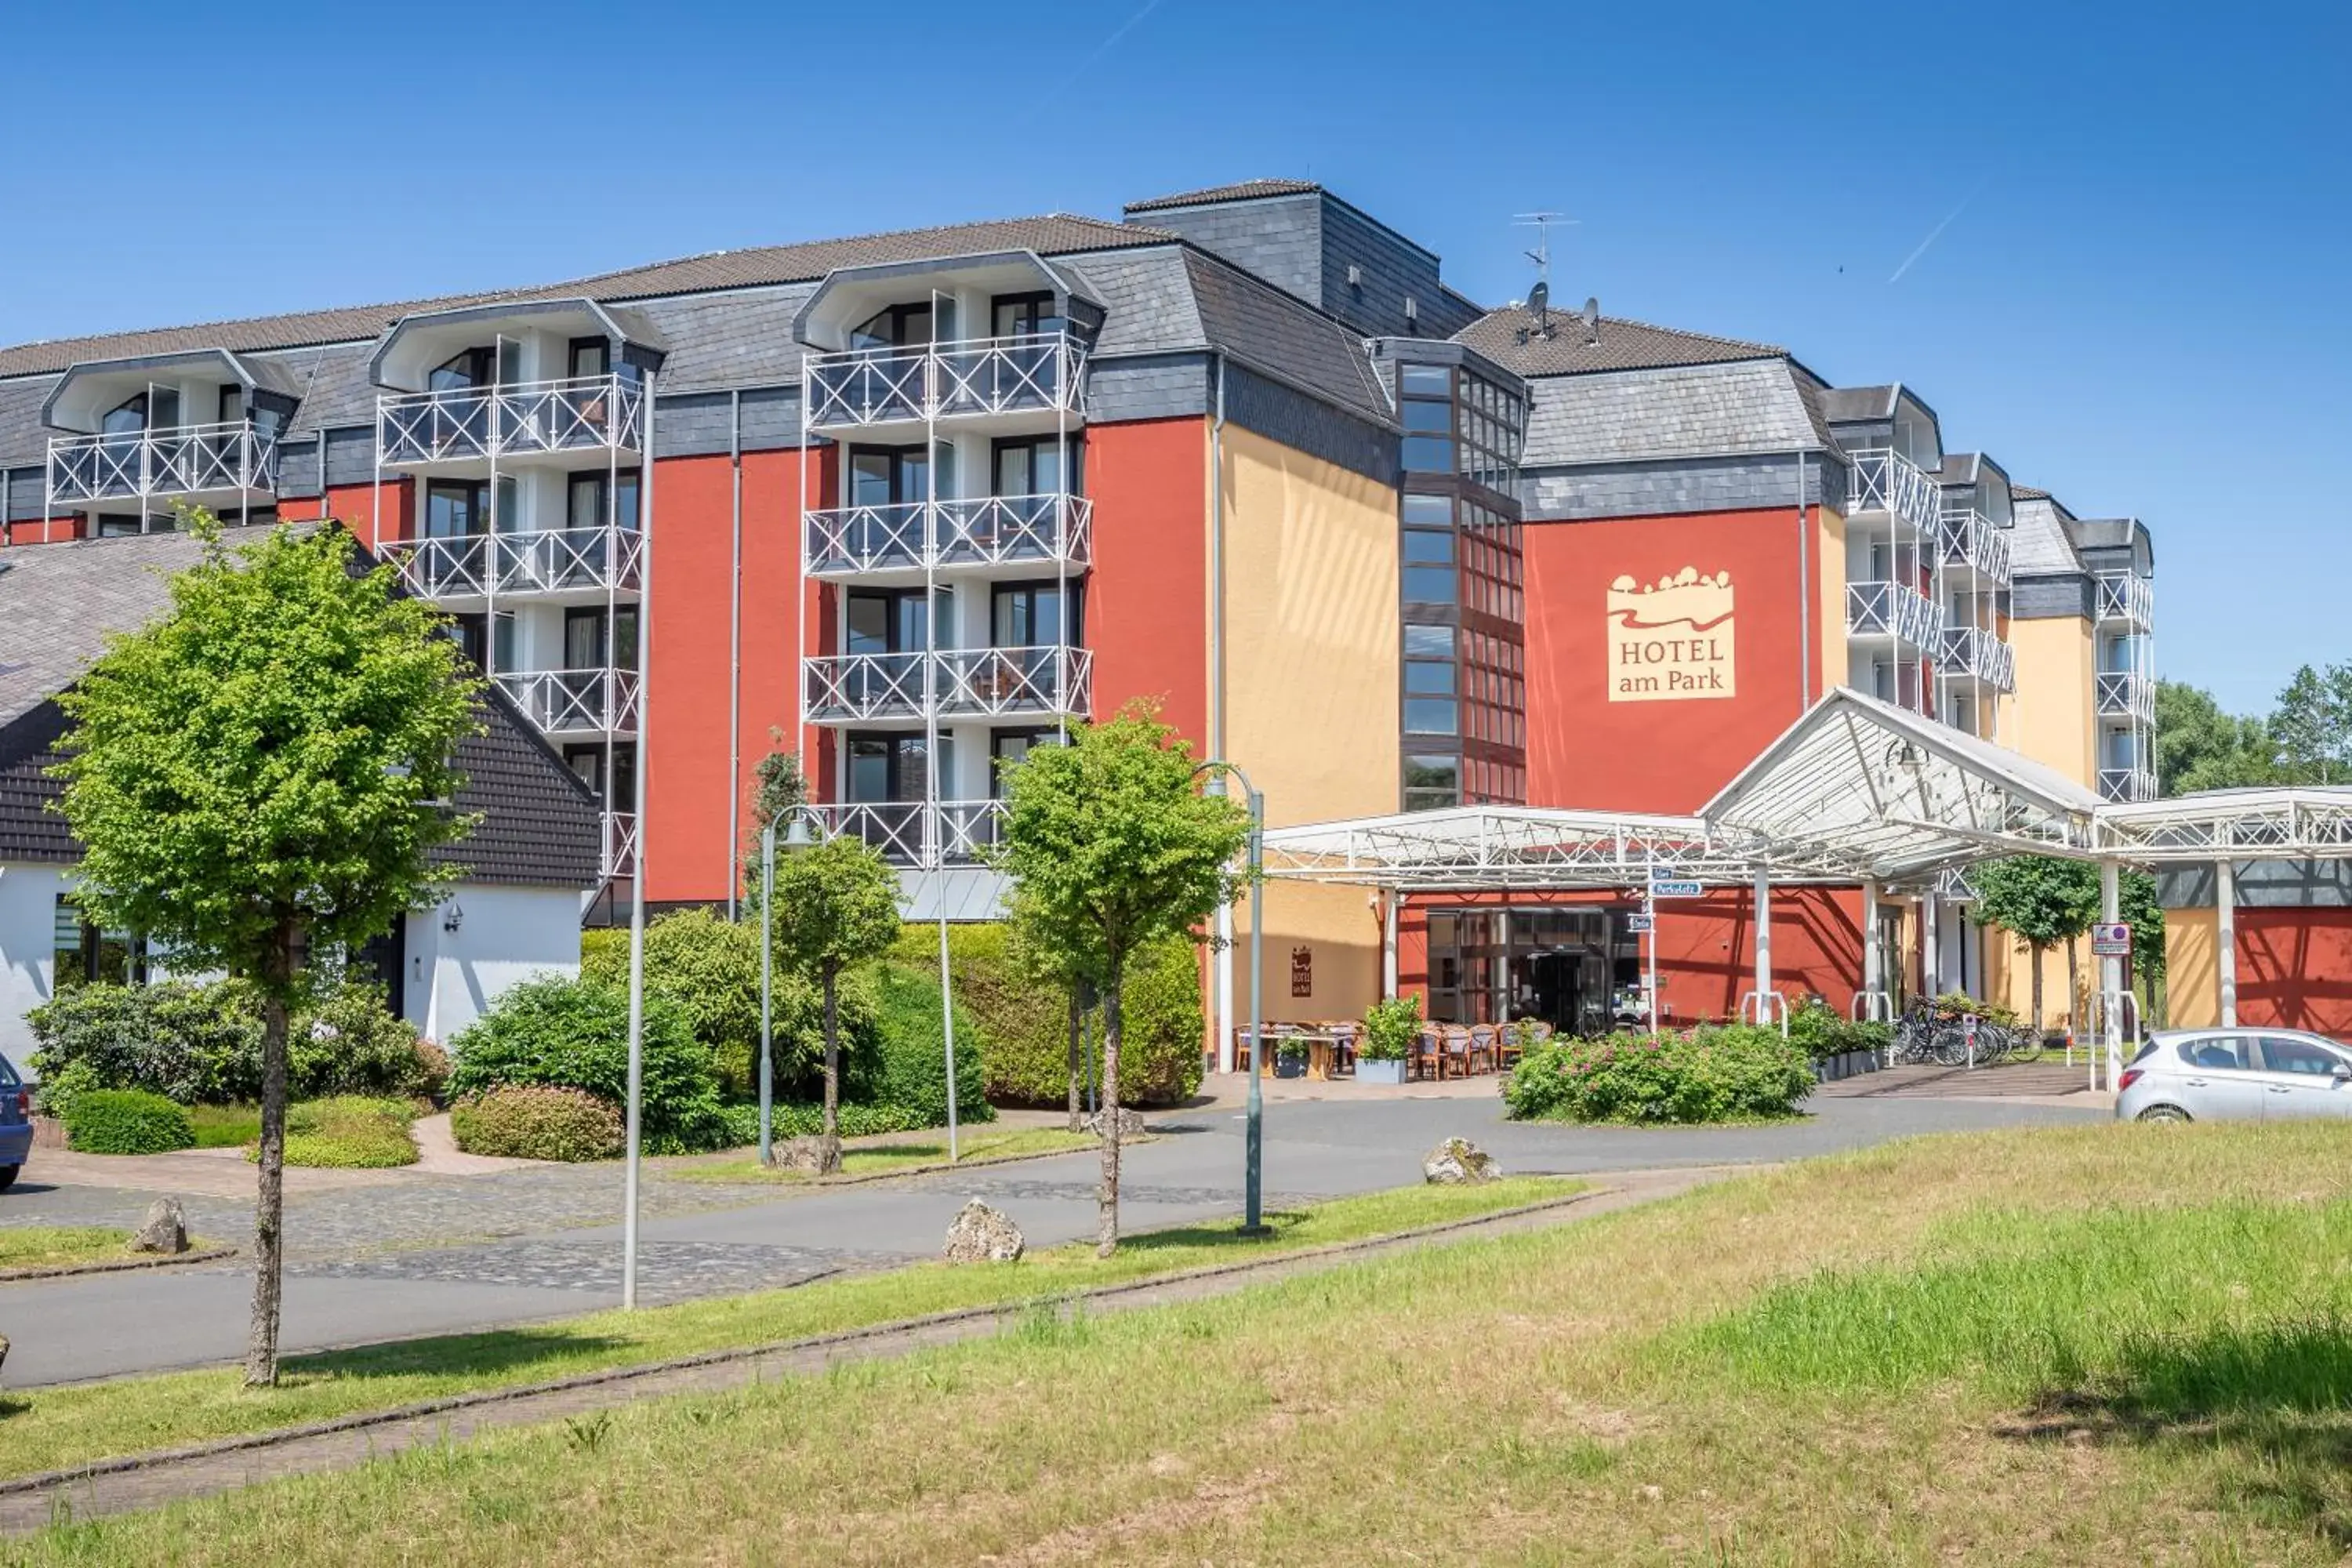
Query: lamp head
x=798 y=838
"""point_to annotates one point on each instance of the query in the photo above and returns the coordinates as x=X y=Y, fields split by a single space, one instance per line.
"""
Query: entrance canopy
x=2303 y=823
x=1857 y=790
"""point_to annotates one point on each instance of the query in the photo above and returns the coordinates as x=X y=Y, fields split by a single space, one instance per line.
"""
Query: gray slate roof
x=2038 y=544
x=1055 y=234
x=1624 y=345
x=1749 y=405
x=1243 y=190
x=59 y=602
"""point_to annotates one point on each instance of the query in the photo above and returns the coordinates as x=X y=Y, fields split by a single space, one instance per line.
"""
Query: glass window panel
x=1426 y=677
x=1429 y=641
x=1422 y=549
x=1428 y=378
x=1430 y=585
x=1431 y=716
x=1426 y=416
x=1428 y=455
x=1428 y=510
x=869 y=768
x=868 y=619
x=870 y=474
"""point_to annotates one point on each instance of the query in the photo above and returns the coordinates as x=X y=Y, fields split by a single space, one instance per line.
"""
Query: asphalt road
x=106 y=1325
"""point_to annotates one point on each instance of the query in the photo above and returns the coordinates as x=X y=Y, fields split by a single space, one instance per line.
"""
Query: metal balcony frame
x=2127 y=598
x=1886 y=481
x=901 y=385
x=1970 y=539
x=1895 y=610
x=620 y=844
x=2124 y=694
x=1974 y=653
x=954 y=683
x=913 y=833
x=170 y=460
x=578 y=414
x=2132 y=785
x=543 y=561
x=974 y=532
x=574 y=701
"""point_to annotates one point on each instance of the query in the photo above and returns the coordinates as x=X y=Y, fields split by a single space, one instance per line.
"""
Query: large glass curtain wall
x=1564 y=966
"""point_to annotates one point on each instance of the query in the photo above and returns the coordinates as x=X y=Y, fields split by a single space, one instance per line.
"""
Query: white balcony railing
x=909 y=833
x=553 y=560
x=954 y=683
x=588 y=413
x=1886 y=481
x=2129 y=597
x=938 y=381
x=1895 y=610
x=2125 y=694
x=174 y=460
x=575 y=702
x=974 y=532
x=620 y=844
x=1971 y=540
x=1971 y=653
x=2126 y=785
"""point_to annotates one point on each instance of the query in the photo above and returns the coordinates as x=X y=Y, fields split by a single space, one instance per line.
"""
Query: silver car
x=2236 y=1075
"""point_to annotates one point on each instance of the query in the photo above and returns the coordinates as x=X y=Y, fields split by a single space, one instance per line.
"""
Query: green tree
x=2312 y=726
x=2198 y=745
x=2135 y=904
x=2041 y=901
x=252 y=777
x=1111 y=845
x=837 y=905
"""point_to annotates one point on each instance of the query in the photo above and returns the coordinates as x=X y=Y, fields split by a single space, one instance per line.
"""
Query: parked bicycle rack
x=1757 y=1007
x=1871 y=1007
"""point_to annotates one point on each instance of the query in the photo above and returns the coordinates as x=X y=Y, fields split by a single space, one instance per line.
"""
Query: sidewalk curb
x=779 y=1184
x=162 y=1458
x=117 y=1265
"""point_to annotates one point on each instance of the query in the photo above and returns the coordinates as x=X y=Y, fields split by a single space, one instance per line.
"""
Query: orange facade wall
x=690 y=855
x=373 y=517
x=1707 y=946
x=1593 y=743
x=1147 y=596
x=41 y=531
x=2294 y=969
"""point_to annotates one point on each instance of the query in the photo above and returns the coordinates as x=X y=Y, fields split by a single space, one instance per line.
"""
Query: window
x=584 y=643
x=2285 y=1053
x=590 y=356
x=466 y=368
x=1025 y=316
x=587 y=496
x=127 y=417
x=2225 y=1052
x=884 y=768
x=1010 y=749
x=893 y=326
x=1029 y=614
x=473 y=630
x=455 y=508
x=1032 y=466
x=231 y=404
x=1431 y=716
x=878 y=621
x=1432 y=781
x=895 y=476
x=86 y=955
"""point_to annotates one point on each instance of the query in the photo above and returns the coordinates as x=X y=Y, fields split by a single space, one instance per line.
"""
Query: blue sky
x=2139 y=300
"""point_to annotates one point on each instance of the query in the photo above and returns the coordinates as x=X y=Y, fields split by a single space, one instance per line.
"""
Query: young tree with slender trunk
x=254 y=776
x=1037 y=959
x=837 y=905
x=2041 y=901
x=1111 y=845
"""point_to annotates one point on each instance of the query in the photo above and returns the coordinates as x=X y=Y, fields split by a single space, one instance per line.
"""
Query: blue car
x=16 y=1123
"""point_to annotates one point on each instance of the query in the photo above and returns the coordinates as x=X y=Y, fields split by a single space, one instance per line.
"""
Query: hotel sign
x=1672 y=641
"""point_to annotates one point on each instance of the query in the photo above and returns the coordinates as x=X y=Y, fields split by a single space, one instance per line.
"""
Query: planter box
x=1289 y=1067
x=1368 y=1072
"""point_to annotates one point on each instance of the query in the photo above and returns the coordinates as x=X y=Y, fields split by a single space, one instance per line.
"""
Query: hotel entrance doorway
x=1564 y=966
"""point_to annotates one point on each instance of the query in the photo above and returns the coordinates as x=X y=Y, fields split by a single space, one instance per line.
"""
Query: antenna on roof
x=1539 y=296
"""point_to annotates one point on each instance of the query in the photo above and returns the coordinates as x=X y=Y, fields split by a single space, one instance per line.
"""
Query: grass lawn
x=878 y=1159
x=2103 y=1344
x=45 y=1429
x=225 y=1126
x=60 y=1246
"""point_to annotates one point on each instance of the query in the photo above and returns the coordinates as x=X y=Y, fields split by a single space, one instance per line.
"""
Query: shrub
x=538 y=1121
x=432 y=1069
x=1959 y=1003
x=1816 y=1029
x=1389 y=1028
x=127 y=1121
x=805 y=1119
x=1025 y=1024
x=574 y=1033
x=1708 y=1074
x=201 y=1045
x=710 y=969
x=906 y=1069
x=349 y=1133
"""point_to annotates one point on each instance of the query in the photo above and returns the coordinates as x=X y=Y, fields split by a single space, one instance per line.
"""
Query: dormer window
x=590 y=356
x=1027 y=316
x=466 y=368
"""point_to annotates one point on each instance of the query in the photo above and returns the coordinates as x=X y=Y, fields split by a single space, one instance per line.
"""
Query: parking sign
x=2111 y=939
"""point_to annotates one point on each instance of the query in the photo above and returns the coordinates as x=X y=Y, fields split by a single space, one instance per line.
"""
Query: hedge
x=1024 y=1025
x=538 y=1121
x=574 y=1033
x=353 y=1132
x=710 y=970
x=126 y=1122
x=1707 y=1073
x=201 y=1045
x=907 y=1068
x=800 y=1119
x=1818 y=1030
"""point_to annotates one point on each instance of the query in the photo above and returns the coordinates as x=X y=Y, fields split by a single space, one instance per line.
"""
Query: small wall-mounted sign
x=1302 y=971
x=2111 y=939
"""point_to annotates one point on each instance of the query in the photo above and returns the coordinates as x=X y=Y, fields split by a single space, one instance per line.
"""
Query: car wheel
x=8 y=1176
x=2163 y=1113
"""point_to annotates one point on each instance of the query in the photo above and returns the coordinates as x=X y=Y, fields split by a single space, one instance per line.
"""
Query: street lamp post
x=797 y=837
x=1254 y=1134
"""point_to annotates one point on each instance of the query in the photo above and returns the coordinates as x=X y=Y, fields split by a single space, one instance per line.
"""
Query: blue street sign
x=1676 y=890
x=1637 y=924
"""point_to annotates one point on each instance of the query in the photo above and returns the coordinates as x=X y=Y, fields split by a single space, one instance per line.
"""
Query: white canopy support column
x=1392 y=915
x=2225 y=948
x=2112 y=1002
x=1874 y=961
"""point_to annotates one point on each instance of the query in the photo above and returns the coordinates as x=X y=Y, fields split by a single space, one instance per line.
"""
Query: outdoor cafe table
x=1322 y=1046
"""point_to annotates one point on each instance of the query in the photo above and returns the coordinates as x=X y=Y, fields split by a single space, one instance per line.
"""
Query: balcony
x=1973 y=654
x=1893 y=610
x=474 y=424
x=1886 y=481
x=1971 y=540
x=620 y=853
x=2126 y=598
x=938 y=381
x=2125 y=694
x=908 y=833
x=953 y=683
x=2126 y=785
x=176 y=462
x=576 y=561
x=575 y=703
x=974 y=533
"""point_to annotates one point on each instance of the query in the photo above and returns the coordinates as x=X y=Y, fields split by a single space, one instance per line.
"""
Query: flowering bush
x=1707 y=1074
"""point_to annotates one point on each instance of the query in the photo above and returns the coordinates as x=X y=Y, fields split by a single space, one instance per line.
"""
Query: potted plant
x=1389 y=1029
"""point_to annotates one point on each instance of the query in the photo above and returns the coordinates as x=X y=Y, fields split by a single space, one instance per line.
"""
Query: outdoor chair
x=1343 y=1047
x=1428 y=1053
x=1483 y=1046
x=1457 y=1052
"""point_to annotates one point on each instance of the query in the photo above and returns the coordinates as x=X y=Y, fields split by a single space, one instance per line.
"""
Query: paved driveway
x=438 y=1254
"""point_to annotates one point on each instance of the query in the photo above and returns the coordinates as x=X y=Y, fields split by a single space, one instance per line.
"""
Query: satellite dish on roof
x=1539 y=307
x=1590 y=317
